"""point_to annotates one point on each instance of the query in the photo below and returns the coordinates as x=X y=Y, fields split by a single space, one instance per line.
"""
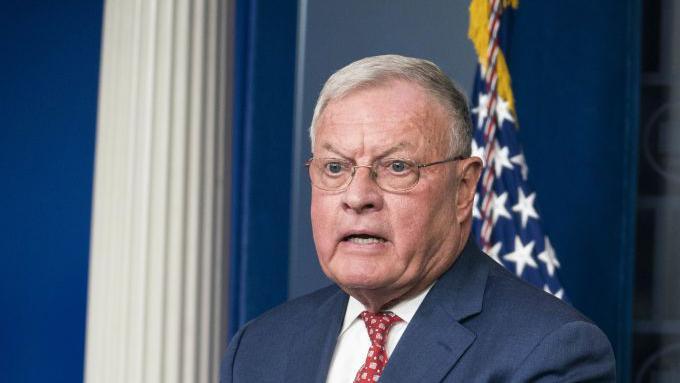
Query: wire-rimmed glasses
x=390 y=174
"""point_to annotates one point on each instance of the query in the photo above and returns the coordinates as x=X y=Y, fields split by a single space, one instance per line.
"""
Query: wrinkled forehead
x=397 y=113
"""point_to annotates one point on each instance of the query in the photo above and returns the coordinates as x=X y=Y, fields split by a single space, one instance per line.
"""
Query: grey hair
x=379 y=70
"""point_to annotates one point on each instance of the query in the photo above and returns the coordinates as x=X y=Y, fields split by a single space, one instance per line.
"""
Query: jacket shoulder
x=274 y=331
x=292 y=314
x=527 y=334
x=508 y=295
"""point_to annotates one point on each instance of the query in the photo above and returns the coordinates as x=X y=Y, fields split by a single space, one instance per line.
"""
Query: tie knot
x=378 y=324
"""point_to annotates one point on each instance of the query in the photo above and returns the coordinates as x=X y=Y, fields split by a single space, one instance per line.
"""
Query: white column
x=158 y=257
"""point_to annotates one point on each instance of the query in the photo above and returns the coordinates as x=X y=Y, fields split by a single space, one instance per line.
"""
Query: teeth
x=365 y=240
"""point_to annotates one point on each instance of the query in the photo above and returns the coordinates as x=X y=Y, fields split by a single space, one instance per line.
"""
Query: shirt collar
x=405 y=309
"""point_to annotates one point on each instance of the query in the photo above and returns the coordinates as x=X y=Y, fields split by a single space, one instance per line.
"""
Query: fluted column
x=157 y=282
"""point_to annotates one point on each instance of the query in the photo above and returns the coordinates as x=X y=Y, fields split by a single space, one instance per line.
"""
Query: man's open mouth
x=363 y=239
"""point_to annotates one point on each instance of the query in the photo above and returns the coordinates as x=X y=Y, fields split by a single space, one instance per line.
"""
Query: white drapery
x=158 y=259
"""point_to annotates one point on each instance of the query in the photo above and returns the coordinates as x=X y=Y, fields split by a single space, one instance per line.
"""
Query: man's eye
x=398 y=166
x=334 y=167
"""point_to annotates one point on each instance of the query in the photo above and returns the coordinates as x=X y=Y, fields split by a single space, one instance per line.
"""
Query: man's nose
x=362 y=194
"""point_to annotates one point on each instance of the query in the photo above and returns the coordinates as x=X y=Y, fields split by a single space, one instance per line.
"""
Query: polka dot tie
x=377 y=324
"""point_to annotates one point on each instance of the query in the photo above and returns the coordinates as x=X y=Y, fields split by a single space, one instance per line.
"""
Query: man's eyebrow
x=400 y=146
x=331 y=148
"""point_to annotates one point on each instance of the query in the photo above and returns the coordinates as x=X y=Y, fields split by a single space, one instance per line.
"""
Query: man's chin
x=374 y=295
x=351 y=280
x=362 y=282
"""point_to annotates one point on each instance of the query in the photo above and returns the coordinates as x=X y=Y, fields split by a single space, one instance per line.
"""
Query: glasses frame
x=373 y=173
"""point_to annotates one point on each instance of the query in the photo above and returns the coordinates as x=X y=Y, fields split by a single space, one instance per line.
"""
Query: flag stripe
x=506 y=222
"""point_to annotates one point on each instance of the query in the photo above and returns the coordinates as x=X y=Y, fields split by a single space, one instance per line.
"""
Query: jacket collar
x=312 y=348
x=435 y=339
x=460 y=290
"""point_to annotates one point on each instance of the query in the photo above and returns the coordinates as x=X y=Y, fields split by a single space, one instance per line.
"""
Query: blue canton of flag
x=506 y=221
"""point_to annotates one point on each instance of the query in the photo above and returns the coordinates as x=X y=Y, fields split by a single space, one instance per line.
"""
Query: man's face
x=387 y=243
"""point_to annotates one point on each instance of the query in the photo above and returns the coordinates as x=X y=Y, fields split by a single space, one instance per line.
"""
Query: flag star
x=503 y=111
x=548 y=257
x=475 y=208
x=478 y=151
x=498 y=207
x=559 y=293
x=494 y=251
x=525 y=206
x=521 y=256
x=481 y=109
x=500 y=159
x=519 y=160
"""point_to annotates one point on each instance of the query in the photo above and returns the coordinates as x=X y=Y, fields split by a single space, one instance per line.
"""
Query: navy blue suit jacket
x=479 y=323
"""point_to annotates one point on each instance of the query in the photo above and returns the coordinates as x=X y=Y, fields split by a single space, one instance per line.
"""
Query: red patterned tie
x=377 y=324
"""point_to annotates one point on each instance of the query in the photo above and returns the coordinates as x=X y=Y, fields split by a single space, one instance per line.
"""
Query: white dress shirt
x=353 y=341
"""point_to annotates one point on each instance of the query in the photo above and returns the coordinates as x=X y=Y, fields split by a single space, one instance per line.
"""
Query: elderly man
x=416 y=301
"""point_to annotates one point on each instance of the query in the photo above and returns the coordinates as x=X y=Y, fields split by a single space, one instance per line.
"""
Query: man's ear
x=471 y=168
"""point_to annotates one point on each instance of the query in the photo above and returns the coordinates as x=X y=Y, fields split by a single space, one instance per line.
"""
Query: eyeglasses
x=390 y=174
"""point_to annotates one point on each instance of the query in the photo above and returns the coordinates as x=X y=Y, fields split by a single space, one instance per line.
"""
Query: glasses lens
x=329 y=173
x=396 y=174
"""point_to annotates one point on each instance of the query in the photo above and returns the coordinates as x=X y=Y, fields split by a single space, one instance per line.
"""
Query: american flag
x=506 y=220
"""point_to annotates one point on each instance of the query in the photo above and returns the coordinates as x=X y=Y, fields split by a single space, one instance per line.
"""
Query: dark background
x=48 y=102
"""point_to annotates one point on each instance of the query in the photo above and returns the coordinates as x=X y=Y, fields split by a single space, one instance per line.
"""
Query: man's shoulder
x=296 y=312
x=522 y=331
x=278 y=331
x=485 y=292
x=517 y=317
x=514 y=298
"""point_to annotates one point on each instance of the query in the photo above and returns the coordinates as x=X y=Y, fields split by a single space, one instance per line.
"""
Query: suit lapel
x=312 y=348
x=431 y=345
x=435 y=338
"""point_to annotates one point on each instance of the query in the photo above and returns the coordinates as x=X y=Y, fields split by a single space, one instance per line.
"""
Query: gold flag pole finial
x=479 y=34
